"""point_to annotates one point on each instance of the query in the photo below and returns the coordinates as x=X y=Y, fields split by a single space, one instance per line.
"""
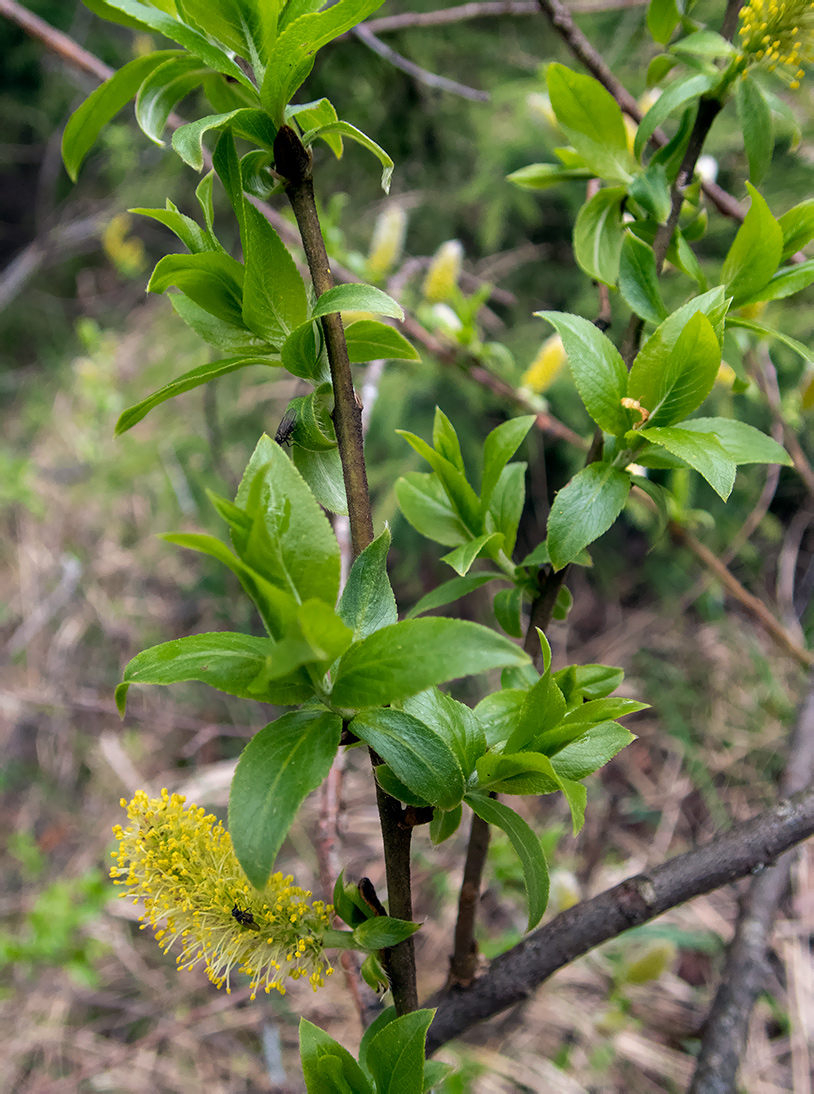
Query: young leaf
x=382 y=930
x=651 y=189
x=395 y=1055
x=345 y=129
x=369 y=340
x=424 y=502
x=323 y=473
x=225 y=660
x=194 y=238
x=163 y=89
x=445 y=440
x=592 y=750
x=785 y=282
x=499 y=447
x=525 y=843
x=662 y=19
x=597 y=367
x=702 y=451
x=417 y=755
x=445 y=823
x=598 y=234
x=757 y=126
x=542 y=710
x=275 y=301
x=506 y=505
x=797 y=226
x=499 y=712
x=650 y=359
x=674 y=97
x=194 y=378
x=462 y=557
x=755 y=252
x=367 y=603
x=455 y=722
x=638 y=280
x=407 y=657
x=357 y=298
x=461 y=495
x=585 y=508
x=213 y=280
x=592 y=120
x=741 y=442
x=247 y=122
x=327 y=1067
x=278 y=768
x=450 y=591
x=88 y=120
x=682 y=382
x=507 y=607
x=244 y=26
x=542 y=176
x=229 y=339
x=768 y=332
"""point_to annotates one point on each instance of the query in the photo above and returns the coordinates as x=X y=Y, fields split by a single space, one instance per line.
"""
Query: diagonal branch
x=480 y=9
x=747 y=847
x=430 y=79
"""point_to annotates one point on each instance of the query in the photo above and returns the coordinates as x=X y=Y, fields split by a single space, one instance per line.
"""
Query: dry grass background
x=107 y=1012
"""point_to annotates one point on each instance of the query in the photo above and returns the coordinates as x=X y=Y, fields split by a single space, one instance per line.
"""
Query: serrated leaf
x=213 y=280
x=278 y=768
x=357 y=297
x=407 y=657
x=275 y=301
x=383 y=930
x=450 y=591
x=455 y=722
x=742 y=442
x=584 y=509
x=424 y=503
x=327 y=1067
x=367 y=603
x=419 y=757
x=527 y=846
x=506 y=504
x=702 y=451
x=651 y=357
x=499 y=447
x=323 y=473
x=369 y=340
x=680 y=384
x=88 y=120
x=755 y=252
x=592 y=750
x=592 y=120
x=462 y=557
x=395 y=1055
x=598 y=234
x=597 y=367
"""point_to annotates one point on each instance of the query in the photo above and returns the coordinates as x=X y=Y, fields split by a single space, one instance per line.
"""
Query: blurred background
x=88 y=1003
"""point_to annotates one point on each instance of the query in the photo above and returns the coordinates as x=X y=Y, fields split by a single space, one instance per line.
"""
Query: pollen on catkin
x=546 y=366
x=445 y=269
x=778 y=34
x=387 y=243
x=181 y=864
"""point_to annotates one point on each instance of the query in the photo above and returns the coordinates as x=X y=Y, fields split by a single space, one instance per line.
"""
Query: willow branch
x=430 y=79
x=512 y=977
x=723 y=1045
x=479 y=10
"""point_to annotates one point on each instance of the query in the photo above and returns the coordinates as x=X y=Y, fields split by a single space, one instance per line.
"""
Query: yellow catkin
x=387 y=244
x=546 y=366
x=445 y=269
x=778 y=34
x=180 y=862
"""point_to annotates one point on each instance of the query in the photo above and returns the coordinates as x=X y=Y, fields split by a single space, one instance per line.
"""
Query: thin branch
x=513 y=976
x=767 y=381
x=485 y=9
x=430 y=79
x=725 y=1032
x=399 y=961
x=54 y=40
x=463 y=964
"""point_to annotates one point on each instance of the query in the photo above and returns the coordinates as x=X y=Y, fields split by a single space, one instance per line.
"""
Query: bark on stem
x=399 y=961
x=293 y=162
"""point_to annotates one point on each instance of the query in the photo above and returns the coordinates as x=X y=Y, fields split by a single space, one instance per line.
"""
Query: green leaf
x=455 y=722
x=323 y=473
x=674 y=97
x=369 y=340
x=387 y=1016
x=507 y=607
x=163 y=89
x=213 y=280
x=291 y=57
x=702 y=451
x=444 y=824
x=327 y=1067
x=756 y=124
x=592 y=120
x=194 y=238
x=367 y=603
x=755 y=252
x=600 y=710
x=345 y=129
x=787 y=280
x=542 y=176
x=244 y=26
x=639 y=281
x=299 y=552
x=278 y=768
x=314 y=114
x=445 y=440
x=506 y=505
x=797 y=226
x=525 y=843
x=598 y=235
x=225 y=660
x=462 y=557
x=424 y=502
x=676 y=387
x=592 y=750
x=462 y=497
x=186 y=36
x=597 y=367
x=662 y=19
x=706 y=44
x=383 y=930
x=499 y=447
x=585 y=508
x=450 y=591
x=543 y=709
x=741 y=442
x=393 y=786
x=232 y=340
x=417 y=755
x=245 y=121
x=275 y=300
x=395 y=1055
x=498 y=713
x=651 y=189
x=192 y=379
x=768 y=332
x=658 y=347
x=407 y=657
x=590 y=681
x=88 y=120
x=303 y=353
x=357 y=298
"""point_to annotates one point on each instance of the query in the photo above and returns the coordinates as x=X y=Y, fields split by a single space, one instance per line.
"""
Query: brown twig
x=763 y=368
x=464 y=961
x=514 y=975
x=485 y=9
x=399 y=960
x=422 y=75
x=725 y=1031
